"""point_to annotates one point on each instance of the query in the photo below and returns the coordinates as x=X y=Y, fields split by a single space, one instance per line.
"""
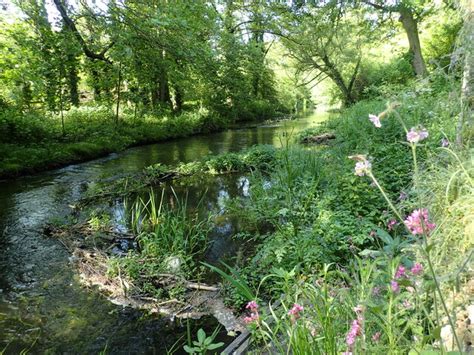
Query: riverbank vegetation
x=361 y=243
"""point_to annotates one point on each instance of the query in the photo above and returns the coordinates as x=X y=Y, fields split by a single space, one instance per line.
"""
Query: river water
x=43 y=306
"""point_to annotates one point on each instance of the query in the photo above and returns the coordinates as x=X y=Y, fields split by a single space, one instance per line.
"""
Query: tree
x=411 y=12
x=326 y=41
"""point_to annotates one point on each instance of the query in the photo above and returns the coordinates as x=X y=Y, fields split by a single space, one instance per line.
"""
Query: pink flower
x=417 y=135
x=394 y=286
x=392 y=223
x=252 y=305
x=254 y=317
x=375 y=120
x=417 y=269
x=354 y=332
x=376 y=337
x=406 y=304
x=295 y=310
x=418 y=222
x=400 y=272
x=444 y=142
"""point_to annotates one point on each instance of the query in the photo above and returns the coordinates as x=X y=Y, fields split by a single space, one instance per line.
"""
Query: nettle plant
x=382 y=302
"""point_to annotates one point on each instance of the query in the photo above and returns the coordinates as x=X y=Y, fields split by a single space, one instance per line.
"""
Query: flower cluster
x=418 y=223
x=254 y=316
x=354 y=332
x=295 y=310
x=416 y=135
x=417 y=269
x=356 y=328
x=363 y=165
x=401 y=272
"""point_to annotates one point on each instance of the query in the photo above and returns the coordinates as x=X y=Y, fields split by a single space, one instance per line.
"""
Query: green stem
x=441 y=298
x=415 y=162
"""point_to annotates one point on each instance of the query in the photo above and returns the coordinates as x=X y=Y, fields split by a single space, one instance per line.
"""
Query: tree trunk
x=119 y=83
x=411 y=28
x=73 y=85
x=466 y=117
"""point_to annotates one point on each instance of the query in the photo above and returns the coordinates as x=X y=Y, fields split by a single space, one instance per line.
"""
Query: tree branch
x=72 y=27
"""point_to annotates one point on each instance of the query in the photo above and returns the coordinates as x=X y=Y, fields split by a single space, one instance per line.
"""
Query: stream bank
x=43 y=306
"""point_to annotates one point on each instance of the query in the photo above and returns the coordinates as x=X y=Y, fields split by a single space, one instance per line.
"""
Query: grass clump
x=170 y=243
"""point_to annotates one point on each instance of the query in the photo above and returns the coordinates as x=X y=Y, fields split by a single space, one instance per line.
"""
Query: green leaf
x=201 y=335
x=189 y=350
x=215 y=346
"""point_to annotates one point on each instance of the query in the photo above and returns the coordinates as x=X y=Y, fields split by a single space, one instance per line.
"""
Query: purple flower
x=416 y=135
x=375 y=120
x=391 y=224
x=444 y=142
x=417 y=269
x=400 y=272
x=418 y=222
x=394 y=286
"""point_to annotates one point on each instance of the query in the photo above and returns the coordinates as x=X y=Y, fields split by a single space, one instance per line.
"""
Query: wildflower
x=362 y=166
x=403 y=196
x=252 y=305
x=254 y=317
x=400 y=272
x=376 y=337
x=406 y=304
x=295 y=310
x=416 y=135
x=394 y=286
x=375 y=120
x=391 y=224
x=418 y=222
x=354 y=332
x=444 y=142
x=417 y=269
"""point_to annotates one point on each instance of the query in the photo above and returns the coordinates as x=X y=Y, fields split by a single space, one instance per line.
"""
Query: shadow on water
x=43 y=307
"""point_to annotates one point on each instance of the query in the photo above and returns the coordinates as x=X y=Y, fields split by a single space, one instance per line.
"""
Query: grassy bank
x=34 y=142
x=373 y=259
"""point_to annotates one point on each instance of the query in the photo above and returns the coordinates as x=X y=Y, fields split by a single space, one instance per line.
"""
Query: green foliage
x=203 y=344
x=170 y=240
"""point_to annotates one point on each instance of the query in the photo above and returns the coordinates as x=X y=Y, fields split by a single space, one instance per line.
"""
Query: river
x=43 y=305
